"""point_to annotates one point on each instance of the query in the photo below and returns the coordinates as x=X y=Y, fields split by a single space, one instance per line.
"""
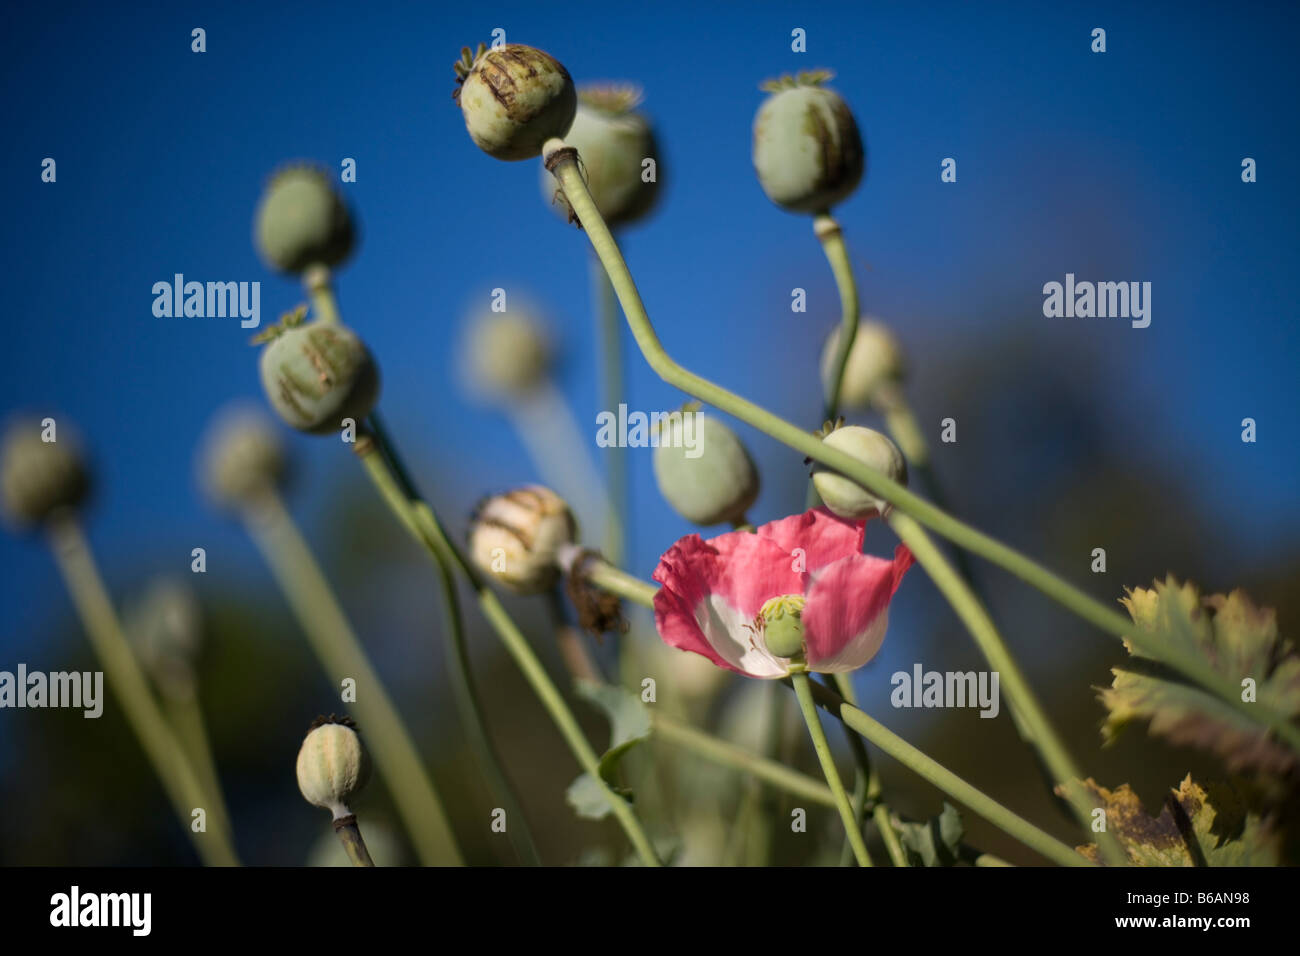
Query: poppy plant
x=796 y=594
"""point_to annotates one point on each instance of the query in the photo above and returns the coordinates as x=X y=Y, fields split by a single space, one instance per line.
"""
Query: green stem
x=316 y=280
x=424 y=525
x=186 y=718
x=609 y=329
x=350 y=836
x=803 y=690
x=561 y=159
x=831 y=236
x=866 y=786
x=1033 y=721
x=340 y=653
x=179 y=779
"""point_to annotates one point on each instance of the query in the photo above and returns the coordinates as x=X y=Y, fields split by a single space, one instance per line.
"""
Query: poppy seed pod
x=703 y=470
x=845 y=497
x=302 y=221
x=333 y=766
x=507 y=355
x=807 y=150
x=613 y=142
x=38 y=477
x=242 y=457
x=515 y=537
x=514 y=98
x=317 y=374
x=875 y=359
x=166 y=628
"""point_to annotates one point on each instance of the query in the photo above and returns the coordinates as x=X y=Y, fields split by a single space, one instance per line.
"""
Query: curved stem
x=179 y=779
x=808 y=708
x=1032 y=720
x=561 y=159
x=419 y=518
x=340 y=653
x=831 y=236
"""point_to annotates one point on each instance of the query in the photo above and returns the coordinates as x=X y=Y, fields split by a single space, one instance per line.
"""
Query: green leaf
x=1240 y=641
x=1196 y=826
x=629 y=722
x=936 y=841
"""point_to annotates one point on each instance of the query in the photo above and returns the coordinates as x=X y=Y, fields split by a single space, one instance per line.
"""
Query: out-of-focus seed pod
x=302 y=221
x=317 y=374
x=875 y=359
x=241 y=457
x=703 y=470
x=166 y=628
x=613 y=142
x=514 y=98
x=845 y=497
x=506 y=355
x=515 y=537
x=333 y=766
x=39 y=477
x=808 y=152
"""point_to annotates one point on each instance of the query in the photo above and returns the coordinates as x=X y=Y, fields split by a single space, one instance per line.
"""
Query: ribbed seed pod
x=333 y=766
x=514 y=98
x=317 y=374
x=515 y=537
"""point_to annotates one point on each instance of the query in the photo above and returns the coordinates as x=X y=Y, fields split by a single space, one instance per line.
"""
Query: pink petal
x=823 y=537
x=712 y=590
x=848 y=609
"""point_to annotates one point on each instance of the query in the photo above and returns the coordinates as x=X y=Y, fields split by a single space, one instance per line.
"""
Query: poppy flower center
x=782 y=620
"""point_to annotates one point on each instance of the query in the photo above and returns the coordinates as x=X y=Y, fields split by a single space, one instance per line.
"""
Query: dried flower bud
x=845 y=497
x=507 y=355
x=302 y=221
x=317 y=374
x=515 y=537
x=807 y=149
x=38 y=477
x=875 y=359
x=613 y=141
x=166 y=628
x=514 y=98
x=241 y=457
x=704 y=471
x=333 y=766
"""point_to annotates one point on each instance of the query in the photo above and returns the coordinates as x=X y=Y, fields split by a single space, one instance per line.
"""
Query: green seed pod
x=613 y=142
x=514 y=98
x=333 y=766
x=317 y=374
x=506 y=355
x=515 y=538
x=783 y=625
x=875 y=359
x=302 y=221
x=807 y=149
x=847 y=498
x=241 y=458
x=165 y=626
x=703 y=470
x=39 y=477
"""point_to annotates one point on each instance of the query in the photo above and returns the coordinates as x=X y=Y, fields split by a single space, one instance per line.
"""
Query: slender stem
x=186 y=718
x=561 y=159
x=803 y=691
x=866 y=786
x=350 y=836
x=424 y=525
x=1033 y=721
x=931 y=770
x=831 y=236
x=170 y=763
x=340 y=653
x=609 y=333
x=884 y=822
x=316 y=280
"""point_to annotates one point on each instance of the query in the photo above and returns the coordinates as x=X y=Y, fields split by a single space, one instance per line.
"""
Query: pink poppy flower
x=713 y=592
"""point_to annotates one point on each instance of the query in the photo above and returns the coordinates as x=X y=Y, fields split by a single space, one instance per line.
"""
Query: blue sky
x=1115 y=166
